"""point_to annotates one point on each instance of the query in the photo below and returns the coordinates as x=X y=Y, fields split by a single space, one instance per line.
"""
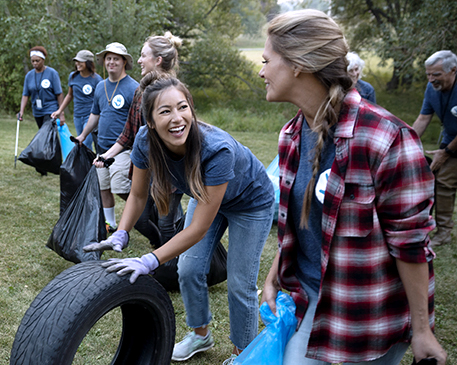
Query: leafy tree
x=433 y=28
x=322 y=5
x=251 y=15
x=406 y=31
x=208 y=28
x=378 y=25
x=64 y=27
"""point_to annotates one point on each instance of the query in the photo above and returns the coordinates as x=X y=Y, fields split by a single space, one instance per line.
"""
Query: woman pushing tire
x=69 y=306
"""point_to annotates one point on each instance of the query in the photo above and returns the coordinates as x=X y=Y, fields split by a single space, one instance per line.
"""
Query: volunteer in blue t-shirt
x=441 y=99
x=81 y=87
x=228 y=186
x=109 y=112
x=42 y=87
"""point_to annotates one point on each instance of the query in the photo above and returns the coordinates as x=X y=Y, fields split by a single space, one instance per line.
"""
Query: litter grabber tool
x=17 y=138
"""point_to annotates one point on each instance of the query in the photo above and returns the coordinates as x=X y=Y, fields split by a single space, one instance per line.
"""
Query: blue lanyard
x=38 y=86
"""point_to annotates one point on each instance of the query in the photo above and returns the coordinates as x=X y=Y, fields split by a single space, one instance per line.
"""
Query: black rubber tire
x=68 y=307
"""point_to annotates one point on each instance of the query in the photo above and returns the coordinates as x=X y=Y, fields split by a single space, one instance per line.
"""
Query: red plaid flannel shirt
x=133 y=124
x=376 y=209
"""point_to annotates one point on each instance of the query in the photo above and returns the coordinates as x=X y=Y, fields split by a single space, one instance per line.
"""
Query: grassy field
x=29 y=209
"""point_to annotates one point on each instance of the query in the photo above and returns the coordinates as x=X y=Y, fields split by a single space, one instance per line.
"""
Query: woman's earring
x=297 y=72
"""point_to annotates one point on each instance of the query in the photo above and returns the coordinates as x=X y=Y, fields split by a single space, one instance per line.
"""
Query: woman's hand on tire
x=117 y=241
x=137 y=266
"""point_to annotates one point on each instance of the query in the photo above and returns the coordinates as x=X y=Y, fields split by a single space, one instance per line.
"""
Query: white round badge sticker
x=322 y=185
x=45 y=83
x=118 y=101
x=454 y=111
x=87 y=89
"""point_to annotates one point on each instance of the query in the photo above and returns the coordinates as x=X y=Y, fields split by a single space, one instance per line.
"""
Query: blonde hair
x=312 y=42
x=166 y=46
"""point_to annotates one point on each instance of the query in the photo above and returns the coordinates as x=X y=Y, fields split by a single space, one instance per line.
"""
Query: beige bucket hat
x=117 y=48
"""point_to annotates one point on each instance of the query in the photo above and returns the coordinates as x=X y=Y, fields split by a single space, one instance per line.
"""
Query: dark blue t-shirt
x=112 y=115
x=435 y=102
x=223 y=159
x=44 y=86
x=366 y=91
x=83 y=92
x=310 y=240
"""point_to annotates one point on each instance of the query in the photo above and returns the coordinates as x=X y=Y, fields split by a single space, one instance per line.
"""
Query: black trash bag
x=167 y=274
x=82 y=223
x=44 y=151
x=73 y=172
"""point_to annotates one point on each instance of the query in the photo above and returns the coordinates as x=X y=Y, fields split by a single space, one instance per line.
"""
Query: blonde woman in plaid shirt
x=354 y=212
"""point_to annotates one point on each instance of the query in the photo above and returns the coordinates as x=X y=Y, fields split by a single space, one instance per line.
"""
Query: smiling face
x=37 y=63
x=147 y=61
x=440 y=80
x=172 y=116
x=115 y=65
x=354 y=73
x=277 y=73
x=80 y=66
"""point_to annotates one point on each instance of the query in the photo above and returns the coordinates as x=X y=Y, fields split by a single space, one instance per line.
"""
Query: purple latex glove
x=117 y=241
x=143 y=265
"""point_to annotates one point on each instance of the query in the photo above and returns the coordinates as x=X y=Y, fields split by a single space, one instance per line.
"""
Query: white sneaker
x=230 y=360
x=190 y=345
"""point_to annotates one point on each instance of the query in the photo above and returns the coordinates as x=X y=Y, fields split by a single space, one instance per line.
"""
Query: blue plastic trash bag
x=273 y=174
x=268 y=347
x=65 y=143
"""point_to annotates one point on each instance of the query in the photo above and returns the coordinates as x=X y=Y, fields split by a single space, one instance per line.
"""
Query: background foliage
x=405 y=31
x=209 y=29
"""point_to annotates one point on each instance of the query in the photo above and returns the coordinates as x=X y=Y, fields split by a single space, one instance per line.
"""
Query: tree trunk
x=394 y=81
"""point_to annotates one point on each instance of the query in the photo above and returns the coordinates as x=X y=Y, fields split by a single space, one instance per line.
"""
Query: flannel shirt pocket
x=355 y=217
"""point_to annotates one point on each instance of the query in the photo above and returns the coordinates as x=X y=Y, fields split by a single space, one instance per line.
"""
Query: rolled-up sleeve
x=405 y=190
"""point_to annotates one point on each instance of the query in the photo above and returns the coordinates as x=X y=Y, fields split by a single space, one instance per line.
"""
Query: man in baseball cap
x=112 y=100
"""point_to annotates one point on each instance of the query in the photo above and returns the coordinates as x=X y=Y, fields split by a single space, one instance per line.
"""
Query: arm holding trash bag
x=112 y=152
x=60 y=101
x=271 y=286
x=66 y=101
x=90 y=126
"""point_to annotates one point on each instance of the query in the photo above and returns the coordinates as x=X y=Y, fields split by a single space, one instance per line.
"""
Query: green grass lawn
x=29 y=209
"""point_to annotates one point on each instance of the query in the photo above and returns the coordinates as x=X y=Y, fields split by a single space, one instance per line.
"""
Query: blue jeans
x=295 y=351
x=80 y=123
x=248 y=232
